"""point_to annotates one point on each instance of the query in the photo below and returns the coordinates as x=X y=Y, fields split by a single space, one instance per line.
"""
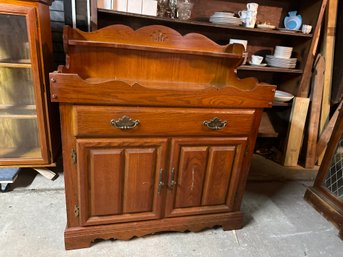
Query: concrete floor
x=278 y=223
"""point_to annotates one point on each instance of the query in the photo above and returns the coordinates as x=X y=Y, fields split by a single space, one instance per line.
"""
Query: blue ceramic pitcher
x=293 y=21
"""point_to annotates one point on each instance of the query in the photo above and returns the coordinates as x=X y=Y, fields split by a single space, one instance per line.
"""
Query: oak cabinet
x=27 y=119
x=157 y=132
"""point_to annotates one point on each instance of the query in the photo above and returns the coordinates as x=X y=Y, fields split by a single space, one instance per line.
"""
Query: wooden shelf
x=29 y=153
x=22 y=63
x=275 y=103
x=206 y=23
x=266 y=128
x=268 y=69
x=18 y=111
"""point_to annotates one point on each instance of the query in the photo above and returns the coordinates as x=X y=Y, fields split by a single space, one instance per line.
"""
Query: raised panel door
x=119 y=179
x=201 y=173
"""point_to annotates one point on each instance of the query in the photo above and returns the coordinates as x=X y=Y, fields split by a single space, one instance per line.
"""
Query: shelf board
x=269 y=69
x=18 y=116
x=206 y=24
x=275 y=103
x=266 y=128
x=34 y=152
x=21 y=63
x=18 y=111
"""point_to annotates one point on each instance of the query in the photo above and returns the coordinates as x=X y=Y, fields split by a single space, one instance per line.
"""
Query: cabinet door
x=22 y=123
x=119 y=179
x=203 y=175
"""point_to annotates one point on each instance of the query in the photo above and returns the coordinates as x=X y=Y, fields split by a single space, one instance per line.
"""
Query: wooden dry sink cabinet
x=157 y=132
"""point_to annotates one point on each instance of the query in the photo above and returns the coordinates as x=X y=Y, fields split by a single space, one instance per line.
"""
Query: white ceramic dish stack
x=282 y=58
x=225 y=18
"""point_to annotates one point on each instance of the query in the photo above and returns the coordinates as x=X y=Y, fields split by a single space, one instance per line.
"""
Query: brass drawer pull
x=215 y=124
x=125 y=123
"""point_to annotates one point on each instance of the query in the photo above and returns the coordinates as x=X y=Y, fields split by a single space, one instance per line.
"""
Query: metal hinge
x=76 y=211
x=73 y=156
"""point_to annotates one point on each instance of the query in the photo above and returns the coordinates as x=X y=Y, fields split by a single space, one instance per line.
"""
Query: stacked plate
x=225 y=18
x=281 y=62
x=282 y=58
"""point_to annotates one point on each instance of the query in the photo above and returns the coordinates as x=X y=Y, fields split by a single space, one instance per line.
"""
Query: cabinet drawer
x=96 y=121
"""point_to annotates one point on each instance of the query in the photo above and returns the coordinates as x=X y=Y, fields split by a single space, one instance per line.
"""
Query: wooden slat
x=326 y=134
x=296 y=130
x=303 y=89
x=316 y=101
x=328 y=52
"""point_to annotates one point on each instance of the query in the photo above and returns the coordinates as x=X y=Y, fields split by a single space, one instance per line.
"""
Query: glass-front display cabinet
x=28 y=133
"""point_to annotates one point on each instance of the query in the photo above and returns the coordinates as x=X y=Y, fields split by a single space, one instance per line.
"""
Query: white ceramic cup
x=239 y=41
x=252 y=6
x=242 y=14
x=256 y=59
x=306 y=29
x=250 y=20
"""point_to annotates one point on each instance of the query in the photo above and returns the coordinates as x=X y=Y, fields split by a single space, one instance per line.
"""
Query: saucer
x=261 y=64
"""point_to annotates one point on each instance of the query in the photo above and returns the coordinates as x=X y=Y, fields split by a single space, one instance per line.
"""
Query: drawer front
x=108 y=121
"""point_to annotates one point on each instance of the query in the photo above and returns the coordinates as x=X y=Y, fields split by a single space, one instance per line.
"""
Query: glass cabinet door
x=19 y=126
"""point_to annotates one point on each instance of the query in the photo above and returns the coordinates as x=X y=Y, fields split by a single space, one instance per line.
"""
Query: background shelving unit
x=260 y=41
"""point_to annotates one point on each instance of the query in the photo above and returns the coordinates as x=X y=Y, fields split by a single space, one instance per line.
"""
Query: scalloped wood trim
x=71 y=88
x=153 y=35
x=81 y=237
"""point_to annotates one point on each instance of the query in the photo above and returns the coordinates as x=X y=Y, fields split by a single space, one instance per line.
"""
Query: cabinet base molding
x=82 y=237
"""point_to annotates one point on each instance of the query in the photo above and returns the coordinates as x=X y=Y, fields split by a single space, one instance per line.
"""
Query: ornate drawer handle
x=215 y=124
x=125 y=123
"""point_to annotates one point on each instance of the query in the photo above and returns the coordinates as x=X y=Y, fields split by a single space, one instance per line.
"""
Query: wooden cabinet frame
x=37 y=19
x=325 y=201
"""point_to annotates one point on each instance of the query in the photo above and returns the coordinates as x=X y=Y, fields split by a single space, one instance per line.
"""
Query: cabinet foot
x=82 y=237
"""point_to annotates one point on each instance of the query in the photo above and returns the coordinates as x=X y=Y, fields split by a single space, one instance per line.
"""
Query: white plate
x=272 y=57
x=223 y=14
x=282 y=96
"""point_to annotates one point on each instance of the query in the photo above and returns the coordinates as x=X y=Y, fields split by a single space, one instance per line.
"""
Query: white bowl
x=282 y=96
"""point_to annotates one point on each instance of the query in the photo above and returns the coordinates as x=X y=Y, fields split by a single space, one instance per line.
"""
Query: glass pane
x=14 y=43
x=18 y=116
x=334 y=179
x=16 y=86
x=19 y=138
